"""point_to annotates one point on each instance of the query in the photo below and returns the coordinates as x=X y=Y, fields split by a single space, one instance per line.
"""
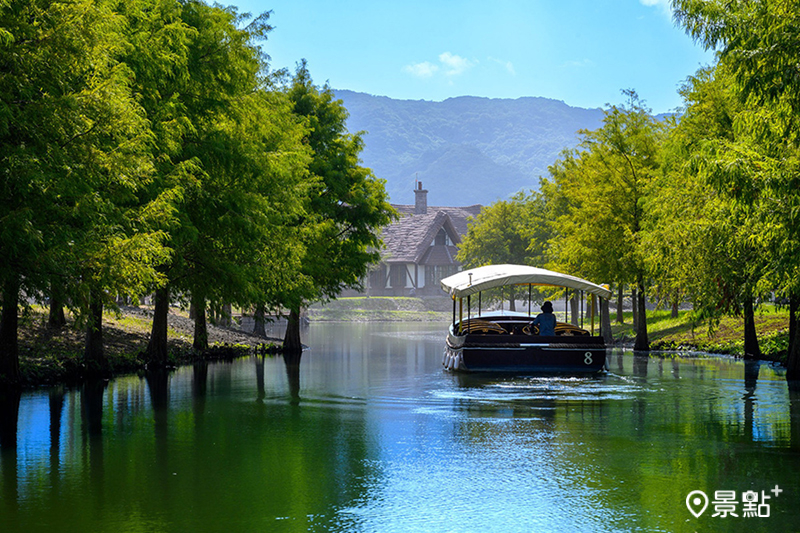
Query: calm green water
x=368 y=434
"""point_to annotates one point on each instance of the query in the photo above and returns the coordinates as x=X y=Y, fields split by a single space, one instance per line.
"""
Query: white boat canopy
x=479 y=279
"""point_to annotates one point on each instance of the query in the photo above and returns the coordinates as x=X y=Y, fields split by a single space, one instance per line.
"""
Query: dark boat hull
x=525 y=354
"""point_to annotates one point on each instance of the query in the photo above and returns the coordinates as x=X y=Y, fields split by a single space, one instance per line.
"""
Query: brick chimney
x=420 y=200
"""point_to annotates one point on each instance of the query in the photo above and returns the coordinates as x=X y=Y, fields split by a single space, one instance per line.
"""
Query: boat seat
x=481 y=326
x=561 y=329
x=569 y=329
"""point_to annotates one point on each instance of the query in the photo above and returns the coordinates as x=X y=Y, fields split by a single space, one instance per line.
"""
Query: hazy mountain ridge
x=465 y=150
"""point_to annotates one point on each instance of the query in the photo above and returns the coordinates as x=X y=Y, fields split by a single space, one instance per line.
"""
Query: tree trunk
x=93 y=355
x=260 y=321
x=605 y=321
x=793 y=358
x=642 y=343
x=674 y=313
x=227 y=313
x=635 y=306
x=200 y=342
x=291 y=341
x=56 y=318
x=751 y=349
x=573 y=309
x=794 y=302
x=157 y=347
x=9 y=321
x=620 y=304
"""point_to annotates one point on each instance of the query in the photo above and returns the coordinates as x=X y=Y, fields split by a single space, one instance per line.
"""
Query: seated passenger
x=546 y=320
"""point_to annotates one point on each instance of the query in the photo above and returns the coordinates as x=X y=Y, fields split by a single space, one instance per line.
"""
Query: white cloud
x=449 y=65
x=454 y=65
x=508 y=65
x=421 y=70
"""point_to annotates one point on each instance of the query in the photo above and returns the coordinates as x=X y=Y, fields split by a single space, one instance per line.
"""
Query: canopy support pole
x=529 y=301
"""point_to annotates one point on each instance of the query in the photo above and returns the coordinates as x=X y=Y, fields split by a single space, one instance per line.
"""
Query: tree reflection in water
x=381 y=431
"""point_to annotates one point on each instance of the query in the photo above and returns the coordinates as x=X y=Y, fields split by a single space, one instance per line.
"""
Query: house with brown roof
x=420 y=248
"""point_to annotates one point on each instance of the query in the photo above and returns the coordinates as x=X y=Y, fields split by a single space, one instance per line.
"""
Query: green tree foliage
x=345 y=210
x=72 y=158
x=598 y=194
x=145 y=146
x=247 y=206
x=759 y=47
x=497 y=235
x=704 y=245
x=511 y=231
x=228 y=157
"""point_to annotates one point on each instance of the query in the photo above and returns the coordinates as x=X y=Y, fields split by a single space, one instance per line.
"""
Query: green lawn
x=667 y=333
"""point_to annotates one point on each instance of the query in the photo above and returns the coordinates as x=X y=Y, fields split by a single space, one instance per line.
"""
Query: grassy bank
x=382 y=309
x=667 y=333
x=53 y=356
x=56 y=356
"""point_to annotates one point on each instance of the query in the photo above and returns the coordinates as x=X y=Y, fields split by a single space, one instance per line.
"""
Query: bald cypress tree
x=345 y=210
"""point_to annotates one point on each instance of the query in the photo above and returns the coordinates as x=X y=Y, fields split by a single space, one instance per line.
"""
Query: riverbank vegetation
x=389 y=309
x=700 y=208
x=56 y=355
x=147 y=148
x=49 y=355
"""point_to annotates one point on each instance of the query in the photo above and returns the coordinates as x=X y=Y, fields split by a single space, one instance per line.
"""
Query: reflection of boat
x=509 y=341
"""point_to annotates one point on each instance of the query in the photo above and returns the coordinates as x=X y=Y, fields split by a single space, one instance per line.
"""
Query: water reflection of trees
x=794 y=413
x=193 y=444
x=179 y=447
x=9 y=419
x=675 y=425
x=292 y=361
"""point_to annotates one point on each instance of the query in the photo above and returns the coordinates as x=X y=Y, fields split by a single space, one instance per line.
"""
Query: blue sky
x=581 y=52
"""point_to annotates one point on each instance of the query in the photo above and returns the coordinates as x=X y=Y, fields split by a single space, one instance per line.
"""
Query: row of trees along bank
x=147 y=147
x=703 y=207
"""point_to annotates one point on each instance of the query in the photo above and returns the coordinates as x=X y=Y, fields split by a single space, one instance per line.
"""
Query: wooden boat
x=508 y=341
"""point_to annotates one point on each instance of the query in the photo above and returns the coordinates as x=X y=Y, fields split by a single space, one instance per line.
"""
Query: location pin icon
x=697 y=501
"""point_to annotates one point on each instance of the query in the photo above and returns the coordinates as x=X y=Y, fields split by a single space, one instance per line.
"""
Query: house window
x=434 y=274
x=397 y=276
x=442 y=239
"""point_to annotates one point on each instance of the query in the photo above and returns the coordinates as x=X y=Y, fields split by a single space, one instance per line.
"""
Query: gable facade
x=419 y=249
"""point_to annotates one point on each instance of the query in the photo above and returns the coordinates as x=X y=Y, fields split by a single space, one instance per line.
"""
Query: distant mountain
x=465 y=150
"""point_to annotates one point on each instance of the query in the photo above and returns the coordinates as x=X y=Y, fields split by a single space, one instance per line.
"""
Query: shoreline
x=51 y=357
x=55 y=356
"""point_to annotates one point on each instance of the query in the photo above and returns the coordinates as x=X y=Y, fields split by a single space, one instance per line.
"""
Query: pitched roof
x=407 y=240
x=458 y=215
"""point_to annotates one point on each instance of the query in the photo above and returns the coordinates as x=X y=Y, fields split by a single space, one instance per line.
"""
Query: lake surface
x=366 y=433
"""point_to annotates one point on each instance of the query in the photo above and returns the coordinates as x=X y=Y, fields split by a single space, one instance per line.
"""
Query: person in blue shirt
x=546 y=320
